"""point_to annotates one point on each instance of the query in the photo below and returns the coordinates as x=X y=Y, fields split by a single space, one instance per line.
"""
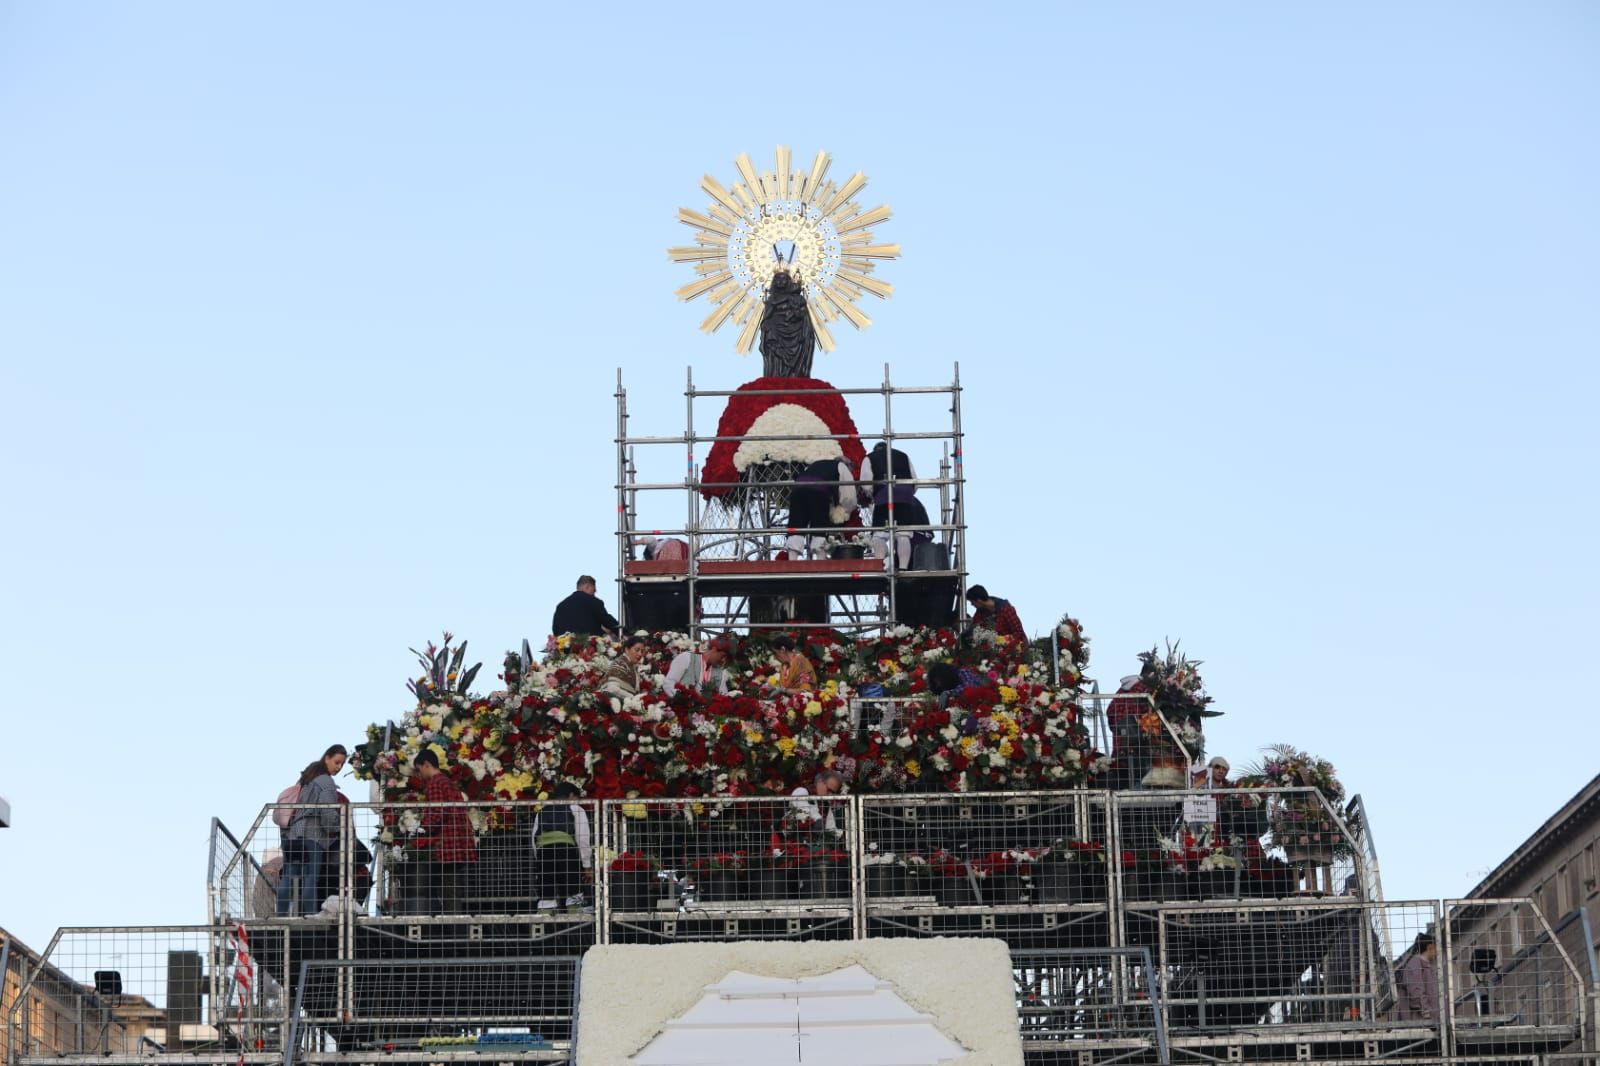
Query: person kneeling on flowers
x=797 y=674
x=706 y=669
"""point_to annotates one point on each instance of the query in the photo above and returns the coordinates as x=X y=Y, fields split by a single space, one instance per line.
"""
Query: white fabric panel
x=844 y=1018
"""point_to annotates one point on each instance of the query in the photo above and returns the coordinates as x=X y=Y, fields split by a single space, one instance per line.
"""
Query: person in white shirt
x=699 y=669
x=827 y=783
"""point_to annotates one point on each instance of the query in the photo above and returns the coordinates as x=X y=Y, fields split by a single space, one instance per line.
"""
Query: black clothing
x=585 y=614
x=559 y=863
x=883 y=461
x=906 y=513
x=811 y=501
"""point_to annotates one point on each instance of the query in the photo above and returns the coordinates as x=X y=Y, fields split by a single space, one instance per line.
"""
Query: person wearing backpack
x=312 y=831
x=563 y=850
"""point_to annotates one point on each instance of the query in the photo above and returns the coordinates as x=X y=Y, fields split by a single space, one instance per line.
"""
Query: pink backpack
x=282 y=816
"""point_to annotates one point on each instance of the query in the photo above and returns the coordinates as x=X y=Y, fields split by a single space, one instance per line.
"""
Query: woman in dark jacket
x=312 y=832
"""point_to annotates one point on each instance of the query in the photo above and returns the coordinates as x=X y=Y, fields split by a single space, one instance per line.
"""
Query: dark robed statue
x=788 y=340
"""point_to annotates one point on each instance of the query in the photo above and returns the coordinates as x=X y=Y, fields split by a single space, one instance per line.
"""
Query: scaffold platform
x=735 y=568
x=1111 y=964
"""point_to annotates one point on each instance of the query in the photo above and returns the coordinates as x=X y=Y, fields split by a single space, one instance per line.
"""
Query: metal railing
x=1075 y=998
x=1510 y=983
x=1135 y=920
x=1154 y=845
x=513 y=1007
x=1310 y=964
x=169 y=988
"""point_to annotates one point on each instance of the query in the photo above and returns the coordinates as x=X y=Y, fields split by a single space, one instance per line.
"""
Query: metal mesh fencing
x=510 y=858
x=222 y=864
x=1511 y=987
x=1027 y=867
x=1245 y=951
x=1072 y=999
x=507 y=1007
x=1299 y=963
x=132 y=991
x=753 y=868
x=413 y=859
x=247 y=876
x=1240 y=843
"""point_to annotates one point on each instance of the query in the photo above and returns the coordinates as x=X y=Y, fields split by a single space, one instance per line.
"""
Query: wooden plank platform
x=711 y=568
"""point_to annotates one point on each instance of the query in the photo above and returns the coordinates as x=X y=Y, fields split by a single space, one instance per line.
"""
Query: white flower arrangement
x=777 y=421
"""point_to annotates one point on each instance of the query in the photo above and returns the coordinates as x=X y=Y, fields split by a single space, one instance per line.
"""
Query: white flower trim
x=630 y=991
x=777 y=420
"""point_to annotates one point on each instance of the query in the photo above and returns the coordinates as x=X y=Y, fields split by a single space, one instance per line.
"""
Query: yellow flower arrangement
x=514 y=784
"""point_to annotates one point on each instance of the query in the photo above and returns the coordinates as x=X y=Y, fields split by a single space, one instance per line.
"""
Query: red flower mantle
x=743 y=410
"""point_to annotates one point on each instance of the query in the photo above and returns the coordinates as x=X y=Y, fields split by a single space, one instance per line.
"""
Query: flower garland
x=778 y=412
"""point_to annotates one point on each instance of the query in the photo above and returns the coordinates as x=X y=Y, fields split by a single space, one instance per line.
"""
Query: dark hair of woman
x=942 y=677
x=783 y=644
x=319 y=767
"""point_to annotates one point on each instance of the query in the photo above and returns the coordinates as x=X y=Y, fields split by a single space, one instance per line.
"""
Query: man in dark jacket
x=583 y=613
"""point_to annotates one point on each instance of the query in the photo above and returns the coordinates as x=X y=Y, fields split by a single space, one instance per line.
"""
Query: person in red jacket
x=448 y=834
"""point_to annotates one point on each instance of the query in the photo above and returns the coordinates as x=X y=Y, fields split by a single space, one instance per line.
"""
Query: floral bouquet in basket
x=1171 y=729
x=1300 y=821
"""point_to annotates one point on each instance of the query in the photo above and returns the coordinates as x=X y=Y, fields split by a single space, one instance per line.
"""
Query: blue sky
x=1277 y=326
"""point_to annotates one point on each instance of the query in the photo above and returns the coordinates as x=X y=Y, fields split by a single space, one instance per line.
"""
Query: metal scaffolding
x=1123 y=949
x=736 y=572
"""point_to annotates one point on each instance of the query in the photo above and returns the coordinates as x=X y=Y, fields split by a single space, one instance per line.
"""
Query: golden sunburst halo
x=818 y=227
